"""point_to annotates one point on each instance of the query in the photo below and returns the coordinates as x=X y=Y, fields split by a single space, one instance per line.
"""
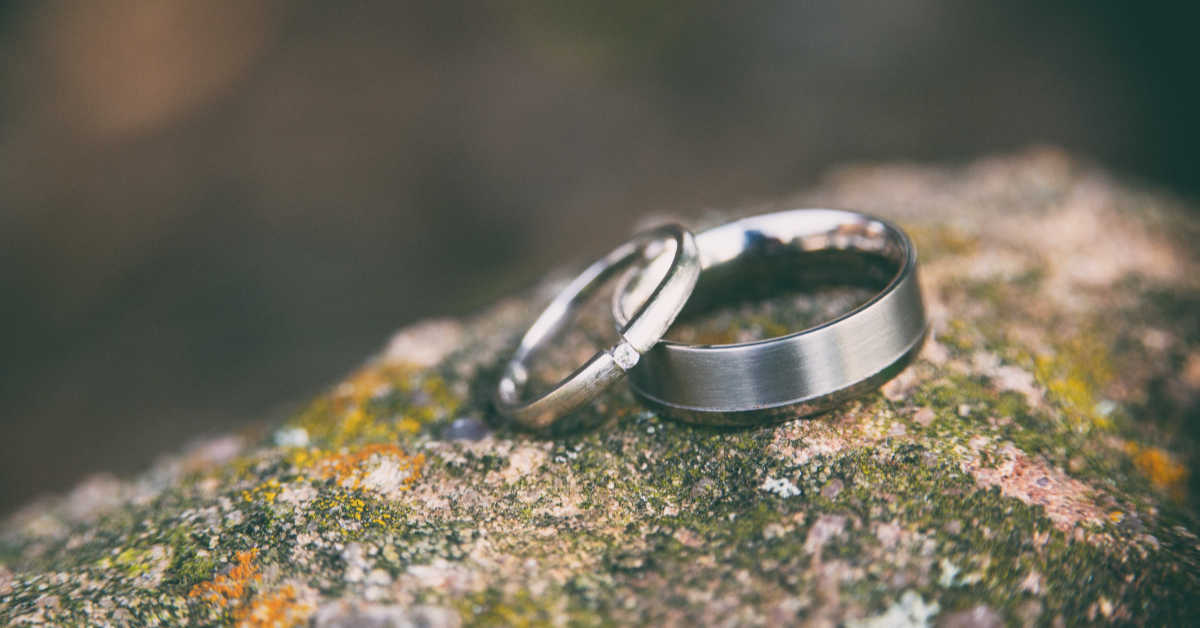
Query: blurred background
x=211 y=209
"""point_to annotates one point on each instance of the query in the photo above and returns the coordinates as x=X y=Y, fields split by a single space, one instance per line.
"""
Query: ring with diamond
x=800 y=373
x=671 y=246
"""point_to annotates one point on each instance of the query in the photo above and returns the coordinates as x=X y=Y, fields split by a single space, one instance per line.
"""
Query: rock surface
x=1032 y=467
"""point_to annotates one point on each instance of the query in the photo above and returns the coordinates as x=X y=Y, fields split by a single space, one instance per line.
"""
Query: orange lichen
x=348 y=469
x=1160 y=467
x=278 y=609
x=282 y=607
x=229 y=589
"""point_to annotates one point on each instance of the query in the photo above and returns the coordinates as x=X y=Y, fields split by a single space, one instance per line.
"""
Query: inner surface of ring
x=759 y=283
x=584 y=328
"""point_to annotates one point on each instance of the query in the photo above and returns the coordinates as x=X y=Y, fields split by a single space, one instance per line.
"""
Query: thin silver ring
x=801 y=373
x=643 y=330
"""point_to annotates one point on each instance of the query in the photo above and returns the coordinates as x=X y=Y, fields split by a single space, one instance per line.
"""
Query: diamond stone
x=625 y=356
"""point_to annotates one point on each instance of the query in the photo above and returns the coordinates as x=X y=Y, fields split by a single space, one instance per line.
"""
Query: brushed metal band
x=642 y=330
x=805 y=372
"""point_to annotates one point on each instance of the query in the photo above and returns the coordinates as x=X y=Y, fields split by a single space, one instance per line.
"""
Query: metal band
x=643 y=330
x=800 y=373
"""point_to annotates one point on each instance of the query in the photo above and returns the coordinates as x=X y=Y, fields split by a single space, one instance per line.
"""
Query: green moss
x=189 y=572
x=494 y=607
x=938 y=241
x=959 y=337
x=133 y=561
x=190 y=563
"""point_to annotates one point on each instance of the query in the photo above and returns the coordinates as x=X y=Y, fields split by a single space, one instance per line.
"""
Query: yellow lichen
x=229 y=590
x=346 y=416
x=278 y=609
x=1160 y=468
x=1074 y=374
x=358 y=425
x=266 y=491
x=305 y=458
x=370 y=381
x=444 y=400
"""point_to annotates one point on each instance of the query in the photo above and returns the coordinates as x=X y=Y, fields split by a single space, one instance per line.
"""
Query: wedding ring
x=671 y=245
x=800 y=373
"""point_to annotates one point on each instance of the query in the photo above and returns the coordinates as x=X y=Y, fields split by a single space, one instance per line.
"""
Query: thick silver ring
x=805 y=372
x=643 y=330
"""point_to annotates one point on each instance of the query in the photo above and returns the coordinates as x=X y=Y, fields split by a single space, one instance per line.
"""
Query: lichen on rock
x=1031 y=467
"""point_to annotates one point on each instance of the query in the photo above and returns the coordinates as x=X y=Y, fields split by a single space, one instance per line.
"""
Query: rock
x=909 y=612
x=976 y=617
x=832 y=489
x=344 y=614
x=1031 y=467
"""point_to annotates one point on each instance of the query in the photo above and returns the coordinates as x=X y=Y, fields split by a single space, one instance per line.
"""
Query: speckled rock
x=1031 y=467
